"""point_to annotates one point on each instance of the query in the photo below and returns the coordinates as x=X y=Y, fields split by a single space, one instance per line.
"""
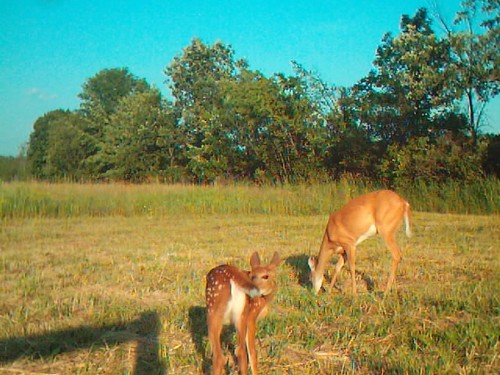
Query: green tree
x=67 y=148
x=57 y=145
x=324 y=96
x=474 y=47
x=102 y=93
x=141 y=140
x=347 y=147
x=274 y=133
x=195 y=79
x=245 y=113
x=411 y=86
x=300 y=132
x=38 y=145
x=100 y=98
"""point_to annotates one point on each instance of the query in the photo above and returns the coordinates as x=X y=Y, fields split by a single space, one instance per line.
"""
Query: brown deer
x=376 y=212
x=240 y=298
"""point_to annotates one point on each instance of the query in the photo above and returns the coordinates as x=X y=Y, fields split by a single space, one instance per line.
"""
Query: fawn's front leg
x=241 y=350
x=250 y=341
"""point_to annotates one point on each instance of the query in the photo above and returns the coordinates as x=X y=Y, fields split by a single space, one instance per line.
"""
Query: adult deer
x=241 y=298
x=376 y=212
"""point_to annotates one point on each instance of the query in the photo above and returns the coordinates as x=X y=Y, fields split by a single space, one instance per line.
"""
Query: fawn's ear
x=255 y=260
x=276 y=259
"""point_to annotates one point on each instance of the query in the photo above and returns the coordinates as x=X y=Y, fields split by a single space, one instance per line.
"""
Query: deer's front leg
x=338 y=268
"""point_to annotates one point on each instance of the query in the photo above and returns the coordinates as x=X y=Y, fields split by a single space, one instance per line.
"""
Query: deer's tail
x=408 y=219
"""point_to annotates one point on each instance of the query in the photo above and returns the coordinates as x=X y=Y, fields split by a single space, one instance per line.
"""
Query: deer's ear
x=313 y=262
x=255 y=260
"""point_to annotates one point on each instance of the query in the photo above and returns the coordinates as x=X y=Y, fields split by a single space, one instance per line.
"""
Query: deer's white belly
x=369 y=233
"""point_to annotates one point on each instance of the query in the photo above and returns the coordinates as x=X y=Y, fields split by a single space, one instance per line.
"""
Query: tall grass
x=35 y=199
x=480 y=197
x=25 y=200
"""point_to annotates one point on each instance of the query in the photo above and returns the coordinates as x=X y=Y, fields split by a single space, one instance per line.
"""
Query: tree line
x=417 y=115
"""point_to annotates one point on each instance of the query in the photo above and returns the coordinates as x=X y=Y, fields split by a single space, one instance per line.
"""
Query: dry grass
x=125 y=295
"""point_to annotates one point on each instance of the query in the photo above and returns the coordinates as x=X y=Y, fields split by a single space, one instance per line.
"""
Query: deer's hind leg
x=350 y=253
x=388 y=233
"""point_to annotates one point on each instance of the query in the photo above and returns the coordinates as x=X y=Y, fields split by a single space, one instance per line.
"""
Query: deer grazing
x=241 y=298
x=376 y=212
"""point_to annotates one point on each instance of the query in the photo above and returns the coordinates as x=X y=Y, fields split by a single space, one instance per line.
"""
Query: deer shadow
x=144 y=330
x=199 y=335
x=301 y=268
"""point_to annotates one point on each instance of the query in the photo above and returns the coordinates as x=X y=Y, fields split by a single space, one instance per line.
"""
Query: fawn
x=240 y=298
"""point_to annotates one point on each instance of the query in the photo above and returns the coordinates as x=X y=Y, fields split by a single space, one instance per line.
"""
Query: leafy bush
x=423 y=161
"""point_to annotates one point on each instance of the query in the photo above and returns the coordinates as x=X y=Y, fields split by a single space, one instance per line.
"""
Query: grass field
x=122 y=291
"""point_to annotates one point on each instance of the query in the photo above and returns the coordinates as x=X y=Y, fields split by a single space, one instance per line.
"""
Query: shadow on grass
x=367 y=280
x=301 y=268
x=199 y=331
x=144 y=330
x=199 y=335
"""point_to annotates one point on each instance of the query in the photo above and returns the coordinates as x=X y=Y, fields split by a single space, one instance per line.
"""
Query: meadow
x=109 y=279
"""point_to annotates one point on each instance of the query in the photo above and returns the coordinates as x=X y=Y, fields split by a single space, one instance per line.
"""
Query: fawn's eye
x=265 y=277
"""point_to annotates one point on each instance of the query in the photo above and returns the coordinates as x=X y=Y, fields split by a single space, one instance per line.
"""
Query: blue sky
x=48 y=48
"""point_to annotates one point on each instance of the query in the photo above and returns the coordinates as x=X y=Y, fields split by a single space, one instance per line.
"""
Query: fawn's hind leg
x=218 y=358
